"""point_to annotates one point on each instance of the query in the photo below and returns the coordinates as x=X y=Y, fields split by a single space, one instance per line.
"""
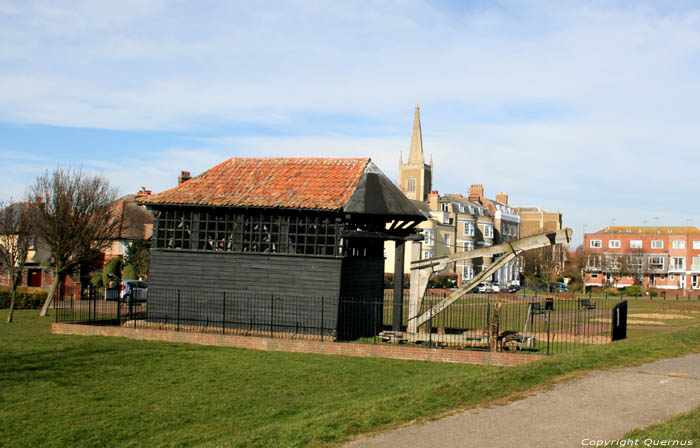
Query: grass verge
x=684 y=427
x=95 y=391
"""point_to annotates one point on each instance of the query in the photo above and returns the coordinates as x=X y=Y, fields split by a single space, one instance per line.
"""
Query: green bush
x=129 y=273
x=27 y=297
x=96 y=279
x=653 y=293
x=448 y=280
x=114 y=267
x=634 y=290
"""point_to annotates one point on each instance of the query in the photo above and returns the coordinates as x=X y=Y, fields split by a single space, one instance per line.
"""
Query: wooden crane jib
x=421 y=270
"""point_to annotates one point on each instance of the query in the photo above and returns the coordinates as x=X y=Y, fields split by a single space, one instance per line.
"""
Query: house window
x=678 y=244
x=677 y=263
x=429 y=237
x=657 y=244
x=593 y=262
x=465 y=245
x=594 y=275
x=612 y=262
x=614 y=244
x=488 y=230
x=696 y=264
x=427 y=253
x=694 y=281
x=635 y=261
x=662 y=277
x=671 y=277
x=656 y=262
x=467 y=272
x=447 y=241
x=696 y=245
x=411 y=185
x=468 y=228
x=635 y=244
x=596 y=244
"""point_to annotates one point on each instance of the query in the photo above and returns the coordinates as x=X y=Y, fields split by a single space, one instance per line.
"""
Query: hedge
x=27 y=298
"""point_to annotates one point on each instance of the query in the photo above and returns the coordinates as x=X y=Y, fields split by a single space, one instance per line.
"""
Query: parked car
x=133 y=290
x=484 y=287
x=513 y=289
x=558 y=287
x=495 y=288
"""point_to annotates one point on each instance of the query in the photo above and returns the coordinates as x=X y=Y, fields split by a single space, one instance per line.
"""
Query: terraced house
x=655 y=257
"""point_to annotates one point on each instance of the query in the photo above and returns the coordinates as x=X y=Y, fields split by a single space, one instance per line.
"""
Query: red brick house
x=655 y=257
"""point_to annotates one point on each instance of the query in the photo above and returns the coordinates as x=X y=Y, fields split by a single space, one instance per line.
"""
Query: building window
x=467 y=272
x=593 y=262
x=429 y=237
x=696 y=245
x=466 y=245
x=677 y=263
x=427 y=253
x=656 y=262
x=594 y=275
x=696 y=264
x=445 y=207
x=411 y=185
x=612 y=262
x=635 y=244
x=488 y=230
x=678 y=244
x=596 y=244
x=657 y=244
x=614 y=244
x=447 y=241
x=635 y=262
x=694 y=281
x=468 y=228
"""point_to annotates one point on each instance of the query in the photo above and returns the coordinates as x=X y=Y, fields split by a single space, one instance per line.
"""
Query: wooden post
x=397 y=312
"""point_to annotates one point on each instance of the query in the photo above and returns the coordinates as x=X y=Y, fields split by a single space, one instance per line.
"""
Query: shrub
x=129 y=272
x=448 y=280
x=634 y=290
x=612 y=290
x=653 y=293
x=27 y=297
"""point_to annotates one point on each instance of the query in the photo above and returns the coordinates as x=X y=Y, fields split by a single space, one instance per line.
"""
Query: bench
x=586 y=304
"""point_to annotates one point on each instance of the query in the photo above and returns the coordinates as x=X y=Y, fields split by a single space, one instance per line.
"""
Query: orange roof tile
x=311 y=183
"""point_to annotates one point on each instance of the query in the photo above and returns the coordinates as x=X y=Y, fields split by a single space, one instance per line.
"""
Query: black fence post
x=272 y=313
x=223 y=315
x=178 y=310
x=322 y=318
x=549 y=315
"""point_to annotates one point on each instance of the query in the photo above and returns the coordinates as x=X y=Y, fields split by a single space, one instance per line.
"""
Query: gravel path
x=603 y=405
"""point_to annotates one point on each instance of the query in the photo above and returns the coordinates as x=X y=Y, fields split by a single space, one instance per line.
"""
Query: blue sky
x=586 y=107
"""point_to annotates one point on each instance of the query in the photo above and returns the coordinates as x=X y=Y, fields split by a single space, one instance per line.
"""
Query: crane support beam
x=421 y=270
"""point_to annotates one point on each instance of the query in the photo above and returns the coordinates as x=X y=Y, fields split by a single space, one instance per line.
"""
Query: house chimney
x=143 y=192
x=502 y=198
x=434 y=200
x=476 y=193
x=184 y=177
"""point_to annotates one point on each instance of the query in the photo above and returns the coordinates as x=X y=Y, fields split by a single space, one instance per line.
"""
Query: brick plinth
x=301 y=346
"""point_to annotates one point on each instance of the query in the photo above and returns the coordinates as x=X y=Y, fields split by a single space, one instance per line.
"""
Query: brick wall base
x=302 y=346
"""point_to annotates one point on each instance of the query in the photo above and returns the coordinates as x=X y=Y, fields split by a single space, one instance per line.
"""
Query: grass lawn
x=99 y=391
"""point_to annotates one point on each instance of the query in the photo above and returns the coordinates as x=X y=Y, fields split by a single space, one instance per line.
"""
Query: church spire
x=416 y=155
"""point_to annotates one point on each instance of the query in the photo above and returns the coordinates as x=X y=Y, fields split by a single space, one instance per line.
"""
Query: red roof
x=311 y=183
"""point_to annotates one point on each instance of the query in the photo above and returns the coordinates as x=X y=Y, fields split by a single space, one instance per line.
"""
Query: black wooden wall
x=279 y=293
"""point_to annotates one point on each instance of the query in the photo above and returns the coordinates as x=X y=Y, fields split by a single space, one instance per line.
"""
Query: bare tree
x=75 y=218
x=543 y=264
x=15 y=241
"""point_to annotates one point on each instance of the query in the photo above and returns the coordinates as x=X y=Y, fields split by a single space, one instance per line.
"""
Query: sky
x=589 y=107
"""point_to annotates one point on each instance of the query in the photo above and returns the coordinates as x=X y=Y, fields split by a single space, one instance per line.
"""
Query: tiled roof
x=310 y=183
x=661 y=230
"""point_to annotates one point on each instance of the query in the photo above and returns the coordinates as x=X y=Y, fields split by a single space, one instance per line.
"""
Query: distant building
x=654 y=257
x=535 y=220
x=135 y=223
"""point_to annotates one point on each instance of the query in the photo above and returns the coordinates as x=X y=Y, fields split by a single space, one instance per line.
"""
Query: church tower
x=415 y=176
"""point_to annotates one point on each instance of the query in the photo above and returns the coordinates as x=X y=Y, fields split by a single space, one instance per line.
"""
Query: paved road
x=603 y=405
